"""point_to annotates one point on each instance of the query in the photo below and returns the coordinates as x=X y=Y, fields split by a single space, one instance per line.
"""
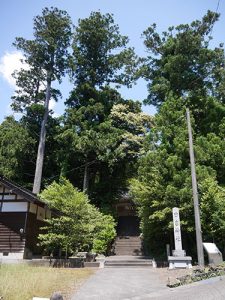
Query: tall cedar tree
x=46 y=59
x=100 y=57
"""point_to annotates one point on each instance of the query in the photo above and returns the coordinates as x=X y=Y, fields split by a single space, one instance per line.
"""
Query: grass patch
x=21 y=281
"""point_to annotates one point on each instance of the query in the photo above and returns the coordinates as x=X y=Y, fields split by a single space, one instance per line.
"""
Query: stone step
x=125 y=261
x=127 y=248
x=125 y=253
x=127 y=241
x=131 y=238
x=129 y=262
x=127 y=266
x=127 y=245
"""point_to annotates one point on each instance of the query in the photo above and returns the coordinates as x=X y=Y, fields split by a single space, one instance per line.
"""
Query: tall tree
x=100 y=53
x=46 y=57
x=101 y=58
x=181 y=62
x=32 y=121
x=183 y=71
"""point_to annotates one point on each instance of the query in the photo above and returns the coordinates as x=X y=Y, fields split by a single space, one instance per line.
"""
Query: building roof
x=16 y=188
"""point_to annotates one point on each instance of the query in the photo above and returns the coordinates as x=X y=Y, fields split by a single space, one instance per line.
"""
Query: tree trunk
x=86 y=179
x=41 y=146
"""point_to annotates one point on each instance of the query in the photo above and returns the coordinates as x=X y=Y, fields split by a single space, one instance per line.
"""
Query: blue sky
x=133 y=17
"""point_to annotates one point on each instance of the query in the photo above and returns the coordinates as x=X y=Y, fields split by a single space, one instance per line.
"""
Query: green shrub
x=105 y=234
x=79 y=225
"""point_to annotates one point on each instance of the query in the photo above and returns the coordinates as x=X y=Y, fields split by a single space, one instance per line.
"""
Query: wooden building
x=21 y=216
x=128 y=241
x=128 y=221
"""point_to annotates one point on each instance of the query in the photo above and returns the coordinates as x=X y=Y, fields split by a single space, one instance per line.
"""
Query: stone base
x=101 y=261
x=179 y=253
x=93 y=264
x=179 y=262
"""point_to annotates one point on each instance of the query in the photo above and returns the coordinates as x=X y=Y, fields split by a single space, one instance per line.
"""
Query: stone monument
x=179 y=258
x=214 y=255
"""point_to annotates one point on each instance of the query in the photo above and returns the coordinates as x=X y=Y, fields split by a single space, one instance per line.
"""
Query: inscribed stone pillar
x=179 y=258
x=176 y=226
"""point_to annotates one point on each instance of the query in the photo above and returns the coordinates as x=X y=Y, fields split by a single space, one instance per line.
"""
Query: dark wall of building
x=11 y=238
x=32 y=232
x=128 y=225
x=14 y=220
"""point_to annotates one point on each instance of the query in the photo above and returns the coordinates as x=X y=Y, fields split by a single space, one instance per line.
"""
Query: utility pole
x=195 y=195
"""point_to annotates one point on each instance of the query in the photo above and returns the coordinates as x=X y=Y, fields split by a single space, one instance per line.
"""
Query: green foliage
x=79 y=224
x=104 y=140
x=213 y=209
x=19 y=141
x=183 y=71
x=164 y=181
x=180 y=61
x=15 y=147
x=100 y=53
x=101 y=62
x=100 y=138
x=46 y=58
x=104 y=234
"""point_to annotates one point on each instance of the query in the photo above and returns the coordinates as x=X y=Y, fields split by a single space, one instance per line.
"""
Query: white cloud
x=8 y=64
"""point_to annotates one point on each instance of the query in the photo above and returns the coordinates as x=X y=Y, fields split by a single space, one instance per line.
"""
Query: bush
x=79 y=226
x=104 y=235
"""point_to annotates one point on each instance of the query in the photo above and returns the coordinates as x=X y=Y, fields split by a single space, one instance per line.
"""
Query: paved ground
x=120 y=283
x=142 y=284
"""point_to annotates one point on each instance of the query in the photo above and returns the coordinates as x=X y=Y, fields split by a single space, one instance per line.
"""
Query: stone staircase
x=128 y=262
x=10 y=241
x=128 y=252
x=128 y=245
